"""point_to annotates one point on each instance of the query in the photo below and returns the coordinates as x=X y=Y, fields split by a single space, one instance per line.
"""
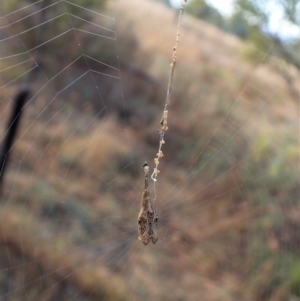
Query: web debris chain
x=164 y=119
x=147 y=220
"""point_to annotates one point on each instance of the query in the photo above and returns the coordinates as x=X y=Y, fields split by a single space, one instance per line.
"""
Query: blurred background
x=227 y=194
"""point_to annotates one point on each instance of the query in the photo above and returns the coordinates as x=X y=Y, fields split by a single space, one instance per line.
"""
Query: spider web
x=228 y=192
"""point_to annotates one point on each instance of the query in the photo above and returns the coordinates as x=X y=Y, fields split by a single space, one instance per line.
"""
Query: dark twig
x=11 y=131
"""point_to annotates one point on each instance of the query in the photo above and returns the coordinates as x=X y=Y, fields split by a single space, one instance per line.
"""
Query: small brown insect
x=147 y=219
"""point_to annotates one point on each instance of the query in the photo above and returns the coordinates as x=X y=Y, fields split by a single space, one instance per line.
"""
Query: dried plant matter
x=164 y=118
x=147 y=220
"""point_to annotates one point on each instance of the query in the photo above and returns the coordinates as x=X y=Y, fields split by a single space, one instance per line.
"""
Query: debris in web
x=164 y=119
x=147 y=220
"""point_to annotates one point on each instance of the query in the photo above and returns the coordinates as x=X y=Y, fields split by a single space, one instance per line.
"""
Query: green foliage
x=291 y=10
x=256 y=18
x=252 y=11
x=250 y=20
x=295 y=279
x=238 y=26
x=202 y=10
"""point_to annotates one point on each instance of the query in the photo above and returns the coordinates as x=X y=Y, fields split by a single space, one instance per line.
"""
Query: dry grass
x=58 y=258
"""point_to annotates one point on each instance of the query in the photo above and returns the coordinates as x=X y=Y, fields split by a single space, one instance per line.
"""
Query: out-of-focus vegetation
x=228 y=192
x=202 y=10
x=251 y=21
